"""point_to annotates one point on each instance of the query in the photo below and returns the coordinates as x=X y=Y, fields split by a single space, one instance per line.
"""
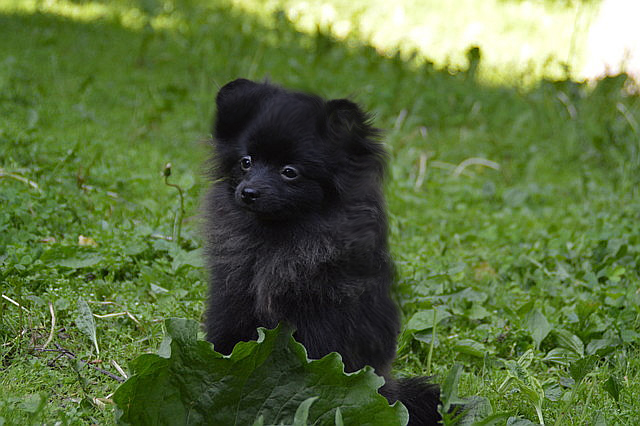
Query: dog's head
x=285 y=154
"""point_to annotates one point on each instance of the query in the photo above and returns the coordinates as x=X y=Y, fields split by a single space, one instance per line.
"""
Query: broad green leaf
x=270 y=379
x=474 y=409
x=82 y=260
x=423 y=320
x=526 y=358
x=617 y=273
x=538 y=326
x=515 y=371
x=449 y=389
x=629 y=336
x=602 y=346
x=427 y=338
x=525 y=308
x=552 y=391
x=61 y=304
x=470 y=347
x=477 y=312
x=134 y=248
x=561 y=356
x=569 y=341
x=86 y=323
x=33 y=403
x=532 y=391
x=183 y=258
x=157 y=290
x=613 y=386
x=73 y=257
x=582 y=367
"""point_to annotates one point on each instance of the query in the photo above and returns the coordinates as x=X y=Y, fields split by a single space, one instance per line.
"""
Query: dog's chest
x=288 y=275
x=284 y=264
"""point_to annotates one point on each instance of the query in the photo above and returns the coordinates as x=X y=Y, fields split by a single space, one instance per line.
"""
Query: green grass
x=535 y=262
x=538 y=38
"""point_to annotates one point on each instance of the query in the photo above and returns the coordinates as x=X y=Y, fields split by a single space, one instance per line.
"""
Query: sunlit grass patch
x=520 y=40
x=128 y=13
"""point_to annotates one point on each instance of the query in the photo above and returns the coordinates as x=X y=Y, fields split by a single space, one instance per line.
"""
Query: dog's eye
x=289 y=172
x=245 y=163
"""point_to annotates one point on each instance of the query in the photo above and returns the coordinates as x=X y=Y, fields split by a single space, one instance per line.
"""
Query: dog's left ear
x=347 y=121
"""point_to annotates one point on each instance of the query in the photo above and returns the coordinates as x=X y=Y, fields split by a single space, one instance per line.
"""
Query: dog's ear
x=348 y=122
x=237 y=103
x=350 y=128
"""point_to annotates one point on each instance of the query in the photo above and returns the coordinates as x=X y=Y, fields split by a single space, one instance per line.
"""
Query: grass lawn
x=537 y=37
x=515 y=213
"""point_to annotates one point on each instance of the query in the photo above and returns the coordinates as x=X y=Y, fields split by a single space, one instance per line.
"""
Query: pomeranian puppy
x=296 y=231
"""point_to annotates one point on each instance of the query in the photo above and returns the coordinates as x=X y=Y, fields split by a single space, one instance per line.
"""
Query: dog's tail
x=419 y=396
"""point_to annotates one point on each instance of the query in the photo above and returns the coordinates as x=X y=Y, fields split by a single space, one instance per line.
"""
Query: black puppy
x=297 y=232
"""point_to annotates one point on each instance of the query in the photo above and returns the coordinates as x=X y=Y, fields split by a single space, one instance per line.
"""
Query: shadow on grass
x=126 y=84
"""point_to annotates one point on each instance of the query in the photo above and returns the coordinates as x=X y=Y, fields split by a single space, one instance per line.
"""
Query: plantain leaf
x=569 y=341
x=85 y=322
x=613 y=386
x=579 y=369
x=538 y=325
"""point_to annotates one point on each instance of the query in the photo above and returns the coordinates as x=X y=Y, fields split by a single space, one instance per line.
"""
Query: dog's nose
x=249 y=195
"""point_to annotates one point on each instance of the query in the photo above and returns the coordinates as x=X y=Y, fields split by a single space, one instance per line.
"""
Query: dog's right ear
x=237 y=103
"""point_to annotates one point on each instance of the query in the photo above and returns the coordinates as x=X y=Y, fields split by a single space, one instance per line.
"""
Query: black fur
x=297 y=232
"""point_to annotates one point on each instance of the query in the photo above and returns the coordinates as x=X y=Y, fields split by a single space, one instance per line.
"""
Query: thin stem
x=433 y=340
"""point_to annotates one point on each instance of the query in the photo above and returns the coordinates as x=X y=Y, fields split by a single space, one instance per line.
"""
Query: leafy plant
x=270 y=381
